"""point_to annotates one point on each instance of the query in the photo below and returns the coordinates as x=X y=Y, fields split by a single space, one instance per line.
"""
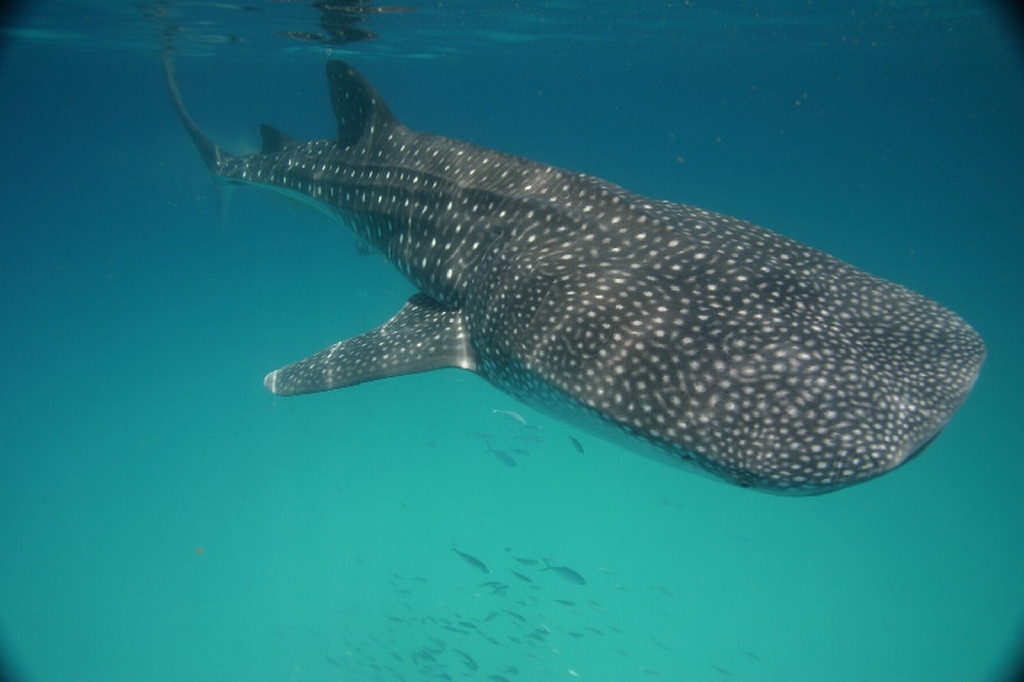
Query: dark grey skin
x=705 y=340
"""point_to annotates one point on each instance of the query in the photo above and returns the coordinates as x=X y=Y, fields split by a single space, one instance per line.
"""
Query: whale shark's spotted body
x=725 y=346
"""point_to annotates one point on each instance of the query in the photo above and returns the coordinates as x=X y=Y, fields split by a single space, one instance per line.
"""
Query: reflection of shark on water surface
x=718 y=344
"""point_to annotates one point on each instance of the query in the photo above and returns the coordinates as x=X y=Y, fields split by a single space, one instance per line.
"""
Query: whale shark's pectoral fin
x=422 y=336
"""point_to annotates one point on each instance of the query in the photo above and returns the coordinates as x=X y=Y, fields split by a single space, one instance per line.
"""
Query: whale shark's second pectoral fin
x=422 y=336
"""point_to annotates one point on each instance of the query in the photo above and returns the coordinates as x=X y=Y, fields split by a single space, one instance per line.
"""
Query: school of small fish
x=505 y=616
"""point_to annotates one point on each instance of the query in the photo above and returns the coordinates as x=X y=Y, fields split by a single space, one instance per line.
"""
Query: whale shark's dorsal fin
x=360 y=111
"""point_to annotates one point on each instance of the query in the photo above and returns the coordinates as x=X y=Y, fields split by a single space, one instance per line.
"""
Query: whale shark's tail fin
x=362 y=115
x=211 y=153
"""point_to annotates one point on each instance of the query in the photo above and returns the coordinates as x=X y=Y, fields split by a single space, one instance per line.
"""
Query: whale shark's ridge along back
x=713 y=342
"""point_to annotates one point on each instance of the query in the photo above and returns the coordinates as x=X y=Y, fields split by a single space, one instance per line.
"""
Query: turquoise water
x=166 y=518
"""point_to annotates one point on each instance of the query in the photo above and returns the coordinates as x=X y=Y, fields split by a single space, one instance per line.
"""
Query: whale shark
x=700 y=339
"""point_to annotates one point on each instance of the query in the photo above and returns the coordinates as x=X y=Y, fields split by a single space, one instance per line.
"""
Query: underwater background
x=164 y=517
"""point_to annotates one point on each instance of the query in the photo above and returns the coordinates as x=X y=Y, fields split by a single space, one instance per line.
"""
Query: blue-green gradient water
x=163 y=517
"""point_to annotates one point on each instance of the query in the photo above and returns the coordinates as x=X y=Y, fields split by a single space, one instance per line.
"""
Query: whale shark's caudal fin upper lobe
x=210 y=152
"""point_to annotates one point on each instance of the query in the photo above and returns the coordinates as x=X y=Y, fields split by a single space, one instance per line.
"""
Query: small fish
x=515 y=615
x=467 y=659
x=661 y=645
x=472 y=560
x=566 y=602
x=503 y=457
x=514 y=416
x=576 y=444
x=526 y=562
x=565 y=572
x=497 y=587
x=458 y=631
x=528 y=435
x=521 y=576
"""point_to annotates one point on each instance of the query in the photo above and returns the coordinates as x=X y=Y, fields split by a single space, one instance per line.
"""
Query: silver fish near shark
x=701 y=339
x=565 y=572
